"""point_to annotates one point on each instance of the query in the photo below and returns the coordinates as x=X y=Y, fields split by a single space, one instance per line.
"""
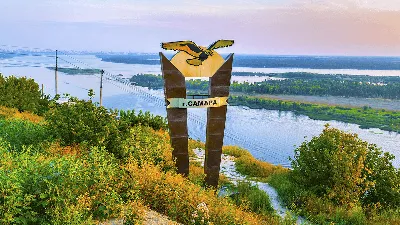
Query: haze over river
x=268 y=134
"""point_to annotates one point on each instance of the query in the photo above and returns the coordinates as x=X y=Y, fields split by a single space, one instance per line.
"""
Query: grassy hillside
x=78 y=164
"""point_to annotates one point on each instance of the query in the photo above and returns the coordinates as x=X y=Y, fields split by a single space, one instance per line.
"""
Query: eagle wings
x=199 y=53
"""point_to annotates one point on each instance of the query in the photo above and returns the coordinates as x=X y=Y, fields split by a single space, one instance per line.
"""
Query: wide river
x=269 y=135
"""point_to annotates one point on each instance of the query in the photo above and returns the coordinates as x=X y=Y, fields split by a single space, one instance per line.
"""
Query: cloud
x=351 y=27
x=376 y=5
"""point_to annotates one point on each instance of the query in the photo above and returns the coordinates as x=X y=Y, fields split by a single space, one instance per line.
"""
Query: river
x=269 y=135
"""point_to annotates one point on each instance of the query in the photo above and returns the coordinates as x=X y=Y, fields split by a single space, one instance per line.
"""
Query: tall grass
x=246 y=164
x=252 y=198
x=19 y=133
x=51 y=187
x=172 y=195
x=47 y=183
x=12 y=113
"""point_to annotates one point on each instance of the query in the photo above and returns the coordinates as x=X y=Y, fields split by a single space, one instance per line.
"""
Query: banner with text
x=197 y=103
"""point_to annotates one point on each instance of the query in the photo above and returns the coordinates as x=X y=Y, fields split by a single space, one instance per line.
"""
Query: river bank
x=375 y=103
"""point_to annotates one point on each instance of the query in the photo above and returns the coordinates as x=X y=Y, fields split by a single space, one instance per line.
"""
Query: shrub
x=172 y=195
x=146 y=119
x=317 y=210
x=80 y=121
x=19 y=133
x=196 y=174
x=385 y=179
x=12 y=113
x=148 y=146
x=193 y=144
x=23 y=94
x=148 y=80
x=50 y=188
x=253 y=198
x=343 y=168
x=246 y=164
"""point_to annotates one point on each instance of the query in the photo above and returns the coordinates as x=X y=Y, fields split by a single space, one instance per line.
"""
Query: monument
x=197 y=61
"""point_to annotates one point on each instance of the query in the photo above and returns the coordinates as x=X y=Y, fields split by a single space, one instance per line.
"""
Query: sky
x=273 y=27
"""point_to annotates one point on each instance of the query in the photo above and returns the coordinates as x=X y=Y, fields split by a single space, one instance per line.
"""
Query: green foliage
x=256 y=200
x=23 y=94
x=345 y=169
x=247 y=165
x=76 y=71
x=145 y=145
x=365 y=116
x=299 y=84
x=146 y=119
x=317 y=210
x=172 y=195
x=21 y=133
x=12 y=113
x=339 y=178
x=385 y=191
x=332 y=165
x=80 y=121
x=148 y=80
x=46 y=188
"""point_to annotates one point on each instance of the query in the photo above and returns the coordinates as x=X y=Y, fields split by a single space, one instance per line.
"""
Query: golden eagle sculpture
x=199 y=53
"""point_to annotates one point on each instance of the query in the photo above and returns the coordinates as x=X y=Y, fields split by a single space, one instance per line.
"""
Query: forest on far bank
x=365 y=116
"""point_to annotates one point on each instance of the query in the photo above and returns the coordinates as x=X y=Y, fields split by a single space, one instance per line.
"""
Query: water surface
x=268 y=134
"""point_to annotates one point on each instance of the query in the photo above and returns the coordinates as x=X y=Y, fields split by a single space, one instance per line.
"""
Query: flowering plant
x=201 y=215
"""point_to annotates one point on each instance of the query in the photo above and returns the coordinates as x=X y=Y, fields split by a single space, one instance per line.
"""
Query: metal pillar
x=56 y=75
x=101 y=87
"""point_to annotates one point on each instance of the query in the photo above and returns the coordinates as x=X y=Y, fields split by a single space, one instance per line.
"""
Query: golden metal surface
x=197 y=61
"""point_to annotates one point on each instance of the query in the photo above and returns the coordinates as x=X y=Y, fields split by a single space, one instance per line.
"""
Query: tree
x=80 y=121
x=346 y=170
x=23 y=94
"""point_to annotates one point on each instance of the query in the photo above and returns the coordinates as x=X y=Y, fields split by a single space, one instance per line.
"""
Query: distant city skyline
x=274 y=27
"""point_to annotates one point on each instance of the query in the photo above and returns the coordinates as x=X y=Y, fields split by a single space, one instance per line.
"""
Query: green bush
x=252 y=198
x=23 y=94
x=80 y=121
x=148 y=80
x=148 y=146
x=345 y=169
x=385 y=179
x=50 y=188
x=317 y=210
x=21 y=133
x=146 y=119
x=187 y=203
x=247 y=165
x=339 y=178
